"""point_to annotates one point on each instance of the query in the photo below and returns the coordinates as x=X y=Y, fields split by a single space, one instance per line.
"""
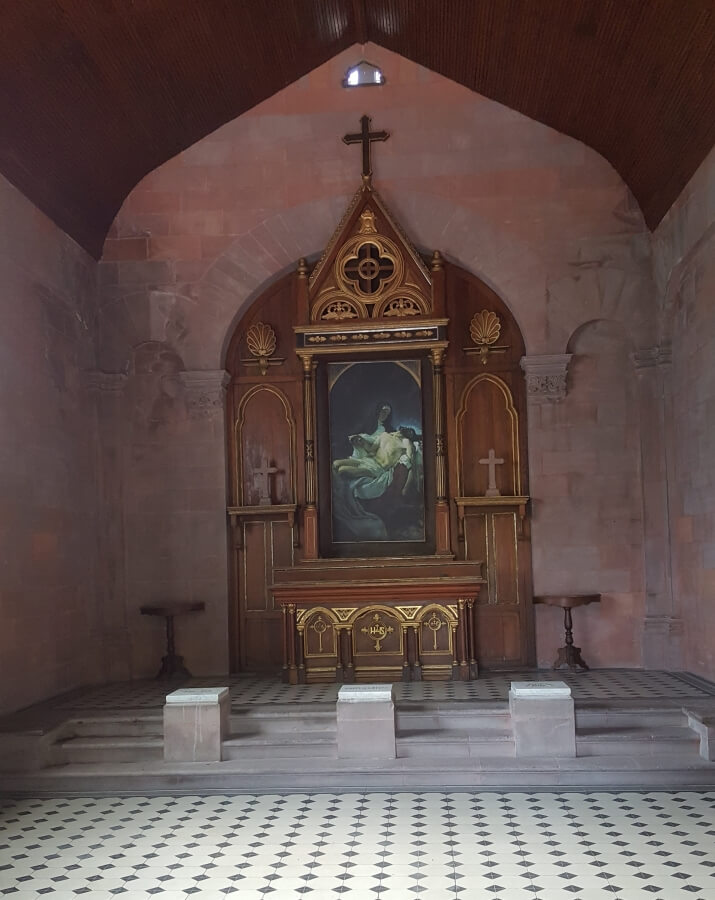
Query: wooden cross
x=492 y=462
x=365 y=137
x=264 y=486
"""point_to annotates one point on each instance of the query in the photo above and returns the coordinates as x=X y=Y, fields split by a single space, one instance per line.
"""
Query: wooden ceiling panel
x=95 y=95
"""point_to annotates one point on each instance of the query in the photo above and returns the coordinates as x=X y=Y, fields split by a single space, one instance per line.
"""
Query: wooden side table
x=569 y=655
x=172 y=665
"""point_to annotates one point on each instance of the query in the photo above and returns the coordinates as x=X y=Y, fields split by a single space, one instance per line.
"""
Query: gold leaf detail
x=367 y=222
x=261 y=343
x=402 y=306
x=485 y=328
x=339 y=309
x=261 y=340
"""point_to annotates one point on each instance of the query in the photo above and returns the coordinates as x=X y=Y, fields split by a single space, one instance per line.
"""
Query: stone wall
x=540 y=217
x=584 y=455
x=51 y=627
x=684 y=258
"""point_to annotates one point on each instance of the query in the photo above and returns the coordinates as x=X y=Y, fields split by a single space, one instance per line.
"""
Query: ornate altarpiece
x=402 y=550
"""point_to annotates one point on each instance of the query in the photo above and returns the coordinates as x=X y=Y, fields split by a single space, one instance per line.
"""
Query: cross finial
x=365 y=137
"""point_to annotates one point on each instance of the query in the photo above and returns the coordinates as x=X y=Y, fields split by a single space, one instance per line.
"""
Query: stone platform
x=634 y=729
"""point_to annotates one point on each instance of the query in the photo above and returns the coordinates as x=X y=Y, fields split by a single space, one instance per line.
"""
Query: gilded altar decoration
x=369 y=269
x=377 y=631
x=261 y=343
x=434 y=623
x=367 y=222
x=401 y=306
x=338 y=310
x=319 y=626
x=484 y=330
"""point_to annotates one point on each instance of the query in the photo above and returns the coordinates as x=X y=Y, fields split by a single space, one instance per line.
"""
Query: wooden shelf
x=468 y=502
x=285 y=511
x=278 y=509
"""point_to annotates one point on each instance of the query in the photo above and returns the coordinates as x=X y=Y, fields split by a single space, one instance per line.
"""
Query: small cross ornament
x=262 y=477
x=492 y=462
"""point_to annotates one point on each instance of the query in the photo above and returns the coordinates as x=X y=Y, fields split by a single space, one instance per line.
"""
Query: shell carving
x=261 y=340
x=261 y=343
x=485 y=328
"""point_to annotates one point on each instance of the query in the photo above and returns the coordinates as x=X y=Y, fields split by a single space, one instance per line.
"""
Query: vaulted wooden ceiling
x=93 y=95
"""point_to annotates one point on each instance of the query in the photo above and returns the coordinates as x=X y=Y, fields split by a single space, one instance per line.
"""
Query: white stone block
x=196 y=722
x=366 y=721
x=366 y=693
x=540 y=689
x=542 y=719
x=197 y=695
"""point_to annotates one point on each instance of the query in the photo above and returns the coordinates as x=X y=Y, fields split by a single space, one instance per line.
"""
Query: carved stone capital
x=107 y=382
x=546 y=377
x=205 y=390
x=654 y=357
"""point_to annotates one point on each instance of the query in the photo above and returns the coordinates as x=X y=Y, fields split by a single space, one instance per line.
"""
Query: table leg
x=172 y=665
x=569 y=655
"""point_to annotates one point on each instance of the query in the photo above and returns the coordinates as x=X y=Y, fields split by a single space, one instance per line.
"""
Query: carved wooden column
x=310 y=517
x=472 y=637
x=284 y=612
x=405 y=652
x=462 y=634
x=292 y=669
x=438 y=287
x=417 y=664
x=301 y=653
x=442 y=539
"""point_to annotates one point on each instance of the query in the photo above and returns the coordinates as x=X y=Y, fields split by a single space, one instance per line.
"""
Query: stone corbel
x=106 y=382
x=205 y=391
x=546 y=377
x=655 y=357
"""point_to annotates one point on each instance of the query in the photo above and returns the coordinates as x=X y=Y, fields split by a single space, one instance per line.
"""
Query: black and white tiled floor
x=604 y=684
x=373 y=846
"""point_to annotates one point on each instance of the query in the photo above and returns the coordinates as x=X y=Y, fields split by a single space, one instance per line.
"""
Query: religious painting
x=376 y=458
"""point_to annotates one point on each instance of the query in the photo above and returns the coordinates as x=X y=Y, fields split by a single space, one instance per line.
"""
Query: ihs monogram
x=378 y=631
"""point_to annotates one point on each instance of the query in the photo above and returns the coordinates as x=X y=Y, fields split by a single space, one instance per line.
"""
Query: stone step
x=282 y=719
x=454 y=716
x=115 y=726
x=607 y=717
x=455 y=744
x=620 y=741
x=306 y=744
x=108 y=749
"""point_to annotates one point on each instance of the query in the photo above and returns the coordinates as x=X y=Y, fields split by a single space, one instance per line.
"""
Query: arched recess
x=486 y=408
x=487 y=398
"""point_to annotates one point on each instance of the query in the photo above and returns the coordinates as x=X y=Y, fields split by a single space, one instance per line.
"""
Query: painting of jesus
x=376 y=451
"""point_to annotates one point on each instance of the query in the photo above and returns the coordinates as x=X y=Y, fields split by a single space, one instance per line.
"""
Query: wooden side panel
x=493 y=536
x=487 y=420
x=499 y=638
x=506 y=565
x=254 y=558
x=267 y=543
x=477 y=546
x=265 y=434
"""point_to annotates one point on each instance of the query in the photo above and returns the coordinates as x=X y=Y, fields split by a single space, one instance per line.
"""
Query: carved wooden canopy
x=369 y=269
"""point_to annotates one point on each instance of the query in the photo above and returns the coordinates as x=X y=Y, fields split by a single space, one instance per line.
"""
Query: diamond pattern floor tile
x=621 y=846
